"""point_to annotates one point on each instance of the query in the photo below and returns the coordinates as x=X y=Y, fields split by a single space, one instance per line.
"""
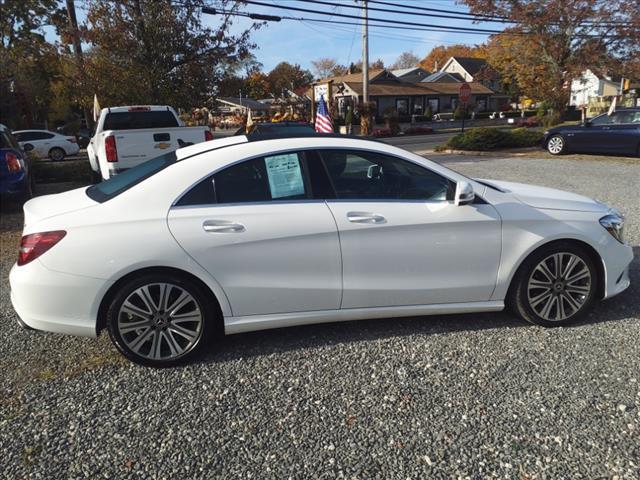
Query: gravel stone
x=465 y=396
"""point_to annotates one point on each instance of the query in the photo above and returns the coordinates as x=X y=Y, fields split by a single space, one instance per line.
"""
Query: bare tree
x=324 y=67
x=406 y=60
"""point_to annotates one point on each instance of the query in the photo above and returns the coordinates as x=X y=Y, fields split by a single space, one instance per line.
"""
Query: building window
x=402 y=106
x=454 y=103
x=434 y=103
x=417 y=105
x=481 y=103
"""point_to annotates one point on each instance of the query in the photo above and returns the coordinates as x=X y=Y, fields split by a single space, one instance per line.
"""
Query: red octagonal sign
x=465 y=92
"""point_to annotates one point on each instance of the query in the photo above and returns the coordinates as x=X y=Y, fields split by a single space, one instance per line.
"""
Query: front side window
x=264 y=179
x=357 y=175
x=602 y=120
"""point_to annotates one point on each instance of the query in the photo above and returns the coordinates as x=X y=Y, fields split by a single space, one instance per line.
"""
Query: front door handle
x=222 y=226
x=365 y=217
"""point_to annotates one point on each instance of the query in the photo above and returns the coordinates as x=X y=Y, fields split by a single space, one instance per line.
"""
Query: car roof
x=35 y=130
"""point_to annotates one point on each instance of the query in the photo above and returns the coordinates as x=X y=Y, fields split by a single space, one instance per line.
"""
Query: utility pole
x=77 y=49
x=365 y=53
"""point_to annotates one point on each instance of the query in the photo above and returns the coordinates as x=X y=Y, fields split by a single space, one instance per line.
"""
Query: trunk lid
x=47 y=206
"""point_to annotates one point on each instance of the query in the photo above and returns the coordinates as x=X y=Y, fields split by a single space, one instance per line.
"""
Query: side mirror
x=586 y=123
x=28 y=147
x=464 y=193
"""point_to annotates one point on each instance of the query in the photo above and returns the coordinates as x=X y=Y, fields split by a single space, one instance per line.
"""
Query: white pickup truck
x=128 y=136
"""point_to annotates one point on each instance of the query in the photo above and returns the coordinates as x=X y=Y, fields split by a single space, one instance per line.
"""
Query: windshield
x=138 y=120
x=117 y=184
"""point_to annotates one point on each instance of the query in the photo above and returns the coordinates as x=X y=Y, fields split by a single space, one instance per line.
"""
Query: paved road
x=465 y=396
x=419 y=143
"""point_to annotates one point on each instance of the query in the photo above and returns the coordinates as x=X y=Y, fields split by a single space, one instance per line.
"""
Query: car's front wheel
x=556 y=145
x=555 y=285
x=159 y=320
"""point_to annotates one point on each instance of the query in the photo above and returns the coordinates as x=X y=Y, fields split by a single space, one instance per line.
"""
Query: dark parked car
x=15 y=168
x=618 y=133
x=278 y=128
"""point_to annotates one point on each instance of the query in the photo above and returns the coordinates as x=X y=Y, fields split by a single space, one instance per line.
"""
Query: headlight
x=614 y=223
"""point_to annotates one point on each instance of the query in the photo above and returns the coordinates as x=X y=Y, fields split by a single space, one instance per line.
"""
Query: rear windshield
x=137 y=120
x=117 y=184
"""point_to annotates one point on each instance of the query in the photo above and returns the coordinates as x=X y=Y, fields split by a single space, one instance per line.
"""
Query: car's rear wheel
x=555 y=285
x=160 y=320
x=57 y=154
x=556 y=145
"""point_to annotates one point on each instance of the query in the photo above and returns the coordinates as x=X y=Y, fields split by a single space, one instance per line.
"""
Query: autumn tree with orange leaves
x=439 y=55
x=554 y=41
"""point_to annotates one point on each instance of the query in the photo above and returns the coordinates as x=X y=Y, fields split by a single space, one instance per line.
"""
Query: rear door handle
x=365 y=217
x=222 y=226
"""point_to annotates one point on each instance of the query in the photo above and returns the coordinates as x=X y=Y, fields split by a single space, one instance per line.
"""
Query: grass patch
x=487 y=139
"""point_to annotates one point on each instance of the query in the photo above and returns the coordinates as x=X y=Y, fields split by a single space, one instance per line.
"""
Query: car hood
x=548 y=198
x=47 y=206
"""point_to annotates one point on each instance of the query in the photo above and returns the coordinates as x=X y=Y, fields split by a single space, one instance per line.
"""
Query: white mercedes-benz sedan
x=243 y=234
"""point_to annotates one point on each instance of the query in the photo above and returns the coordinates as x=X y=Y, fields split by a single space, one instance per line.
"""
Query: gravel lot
x=467 y=396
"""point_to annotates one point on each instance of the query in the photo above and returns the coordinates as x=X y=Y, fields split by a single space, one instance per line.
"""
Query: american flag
x=323 y=120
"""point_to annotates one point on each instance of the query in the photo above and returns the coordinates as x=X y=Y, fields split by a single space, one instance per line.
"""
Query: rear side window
x=138 y=120
x=265 y=179
x=113 y=187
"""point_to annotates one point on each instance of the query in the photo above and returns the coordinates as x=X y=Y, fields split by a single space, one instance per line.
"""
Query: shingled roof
x=471 y=65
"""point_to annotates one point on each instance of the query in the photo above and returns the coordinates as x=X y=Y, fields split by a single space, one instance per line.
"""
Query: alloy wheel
x=160 y=321
x=555 y=145
x=559 y=286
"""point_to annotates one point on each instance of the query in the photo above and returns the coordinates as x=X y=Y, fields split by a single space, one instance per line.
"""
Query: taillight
x=13 y=162
x=71 y=139
x=34 y=245
x=208 y=135
x=110 y=148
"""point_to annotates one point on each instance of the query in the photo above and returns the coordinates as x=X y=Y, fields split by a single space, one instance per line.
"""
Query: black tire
x=524 y=296
x=126 y=341
x=57 y=154
x=556 y=145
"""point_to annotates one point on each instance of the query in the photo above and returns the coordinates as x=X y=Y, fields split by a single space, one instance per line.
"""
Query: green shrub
x=524 y=137
x=459 y=113
x=551 y=119
x=485 y=138
x=482 y=138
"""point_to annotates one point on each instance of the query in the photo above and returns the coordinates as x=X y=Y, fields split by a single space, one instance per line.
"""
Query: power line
x=418 y=14
x=381 y=20
x=478 y=17
x=398 y=23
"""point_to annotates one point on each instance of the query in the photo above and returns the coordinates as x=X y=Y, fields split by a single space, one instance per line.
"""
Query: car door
x=254 y=227
x=41 y=142
x=595 y=136
x=403 y=240
x=624 y=132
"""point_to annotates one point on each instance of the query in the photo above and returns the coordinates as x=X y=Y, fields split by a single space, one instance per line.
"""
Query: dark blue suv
x=15 y=168
x=618 y=133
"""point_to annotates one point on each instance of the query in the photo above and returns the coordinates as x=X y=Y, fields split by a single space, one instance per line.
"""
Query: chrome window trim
x=296 y=150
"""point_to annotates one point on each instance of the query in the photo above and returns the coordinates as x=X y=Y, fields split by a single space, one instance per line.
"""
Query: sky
x=301 y=42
